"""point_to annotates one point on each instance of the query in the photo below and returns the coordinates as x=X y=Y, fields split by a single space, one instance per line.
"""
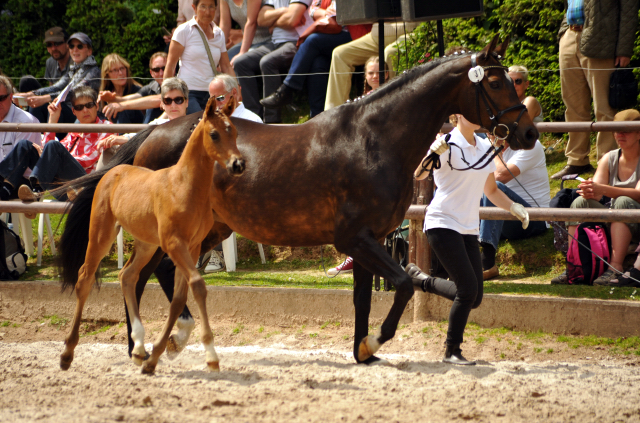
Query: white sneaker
x=203 y=260
x=345 y=267
x=216 y=263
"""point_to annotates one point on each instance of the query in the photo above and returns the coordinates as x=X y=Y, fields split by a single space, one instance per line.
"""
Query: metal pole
x=440 y=38
x=381 y=50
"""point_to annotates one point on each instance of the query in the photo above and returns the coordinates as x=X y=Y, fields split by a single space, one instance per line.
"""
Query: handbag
x=206 y=47
x=623 y=89
x=326 y=25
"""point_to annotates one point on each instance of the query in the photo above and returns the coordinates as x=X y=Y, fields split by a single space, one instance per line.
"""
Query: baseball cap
x=55 y=34
x=82 y=37
x=627 y=115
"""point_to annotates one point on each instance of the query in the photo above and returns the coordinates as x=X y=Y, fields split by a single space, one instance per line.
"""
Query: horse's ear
x=211 y=108
x=229 y=107
x=486 y=52
x=502 y=48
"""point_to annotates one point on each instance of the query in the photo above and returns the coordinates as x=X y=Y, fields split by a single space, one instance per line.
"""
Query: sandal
x=626 y=279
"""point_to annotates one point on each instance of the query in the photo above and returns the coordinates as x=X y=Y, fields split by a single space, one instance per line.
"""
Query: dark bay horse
x=343 y=178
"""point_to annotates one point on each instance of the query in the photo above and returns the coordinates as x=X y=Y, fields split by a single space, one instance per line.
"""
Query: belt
x=577 y=28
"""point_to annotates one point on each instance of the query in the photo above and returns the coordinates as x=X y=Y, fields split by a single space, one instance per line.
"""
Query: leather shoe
x=573 y=169
x=561 y=279
x=282 y=97
x=490 y=273
x=26 y=194
x=418 y=277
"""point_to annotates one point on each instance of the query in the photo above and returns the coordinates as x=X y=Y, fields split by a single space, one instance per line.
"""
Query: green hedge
x=532 y=26
x=131 y=28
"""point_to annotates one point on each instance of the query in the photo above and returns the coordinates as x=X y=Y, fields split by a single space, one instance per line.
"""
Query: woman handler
x=452 y=223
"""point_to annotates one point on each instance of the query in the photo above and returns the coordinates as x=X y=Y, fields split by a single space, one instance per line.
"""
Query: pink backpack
x=584 y=266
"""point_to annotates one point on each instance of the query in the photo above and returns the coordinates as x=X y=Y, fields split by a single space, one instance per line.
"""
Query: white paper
x=62 y=96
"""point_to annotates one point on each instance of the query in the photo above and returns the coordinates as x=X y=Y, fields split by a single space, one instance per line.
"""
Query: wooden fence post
x=419 y=251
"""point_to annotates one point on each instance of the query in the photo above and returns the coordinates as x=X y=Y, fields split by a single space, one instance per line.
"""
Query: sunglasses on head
x=518 y=81
x=168 y=100
x=54 y=43
x=80 y=107
x=78 y=46
x=157 y=69
x=4 y=97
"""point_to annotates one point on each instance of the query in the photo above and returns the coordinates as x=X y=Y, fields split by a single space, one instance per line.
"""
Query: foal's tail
x=75 y=237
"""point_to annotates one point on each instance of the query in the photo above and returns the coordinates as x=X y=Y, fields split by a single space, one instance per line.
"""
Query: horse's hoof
x=148 y=368
x=376 y=361
x=65 y=362
x=173 y=348
x=368 y=347
x=138 y=359
x=214 y=366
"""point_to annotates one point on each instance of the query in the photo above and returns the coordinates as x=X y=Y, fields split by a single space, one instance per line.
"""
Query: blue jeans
x=314 y=56
x=197 y=101
x=491 y=231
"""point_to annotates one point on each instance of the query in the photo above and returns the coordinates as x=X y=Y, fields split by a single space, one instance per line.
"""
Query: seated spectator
x=313 y=57
x=617 y=177
x=520 y=77
x=188 y=47
x=58 y=161
x=84 y=71
x=56 y=67
x=117 y=79
x=272 y=58
x=146 y=99
x=347 y=56
x=174 y=102
x=245 y=15
x=9 y=113
x=224 y=88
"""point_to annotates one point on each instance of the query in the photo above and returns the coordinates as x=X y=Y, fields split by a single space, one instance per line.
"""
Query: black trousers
x=460 y=256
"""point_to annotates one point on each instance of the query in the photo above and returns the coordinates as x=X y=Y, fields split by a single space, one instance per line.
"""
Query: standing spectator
x=56 y=67
x=59 y=161
x=187 y=45
x=151 y=104
x=246 y=15
x=185 y=11
x=116 y=78
x=347 y=56
x=84 y=71
x=313 y=57
x=595 y=36
x=271 y=58
x=9 y=113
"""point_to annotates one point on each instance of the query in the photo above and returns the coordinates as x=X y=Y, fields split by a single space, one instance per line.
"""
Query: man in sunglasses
x=84 y=71
x=225 y=88
x=148 y=98
x=58 y=161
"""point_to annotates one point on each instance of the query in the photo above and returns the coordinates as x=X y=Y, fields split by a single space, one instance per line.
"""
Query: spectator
x=84 y=71
x=520 y=77
x=594 y=37
x=246 y=15
x=185 y=11
x=347 y=56
x=174 y=102
x=117 y=79
x=271 y=58
x=313 y=57
x=56 y=67
x=188 y=46
x=74 y=156
x=147 y=98
x=225 y=88
x=9 y=113
x=617 y=177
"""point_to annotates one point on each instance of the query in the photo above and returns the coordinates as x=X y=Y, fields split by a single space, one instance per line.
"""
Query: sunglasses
x=156 y=70
x=78 y=46
x=168 y=100
x=54 y=44
x=518 y=81
x=4 y=97
x=221 y=97
x=80 y=107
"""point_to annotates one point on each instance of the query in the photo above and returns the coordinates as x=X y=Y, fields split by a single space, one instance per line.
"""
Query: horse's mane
x=408 y=77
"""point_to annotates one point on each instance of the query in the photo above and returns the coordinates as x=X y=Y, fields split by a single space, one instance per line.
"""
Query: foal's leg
x=368 y=252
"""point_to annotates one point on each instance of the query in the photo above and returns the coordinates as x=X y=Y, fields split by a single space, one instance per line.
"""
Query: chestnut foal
x=168 y=208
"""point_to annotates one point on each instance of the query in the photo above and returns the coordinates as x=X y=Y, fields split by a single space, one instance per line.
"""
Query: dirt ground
x=307 y=373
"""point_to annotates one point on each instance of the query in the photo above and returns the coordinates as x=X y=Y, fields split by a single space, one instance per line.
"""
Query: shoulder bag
x=206 y=47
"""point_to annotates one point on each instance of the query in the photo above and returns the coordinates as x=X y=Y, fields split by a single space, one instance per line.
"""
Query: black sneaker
x=282 y=97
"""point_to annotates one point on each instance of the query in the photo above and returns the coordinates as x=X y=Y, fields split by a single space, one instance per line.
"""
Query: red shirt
x=81 y=146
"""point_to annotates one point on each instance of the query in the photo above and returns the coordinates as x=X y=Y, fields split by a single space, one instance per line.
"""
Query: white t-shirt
x=533 y=174
x=195 y=68
x=456 y=204
x=281 y=35
x=8 y=140
x=244 y=113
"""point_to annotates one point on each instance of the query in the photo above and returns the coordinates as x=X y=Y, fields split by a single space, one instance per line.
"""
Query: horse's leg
x=362 y=289
x=101 y=237
x=367 y=251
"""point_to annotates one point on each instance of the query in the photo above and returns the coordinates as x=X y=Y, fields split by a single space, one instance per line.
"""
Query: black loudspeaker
x=432 y=10
x=352 y=12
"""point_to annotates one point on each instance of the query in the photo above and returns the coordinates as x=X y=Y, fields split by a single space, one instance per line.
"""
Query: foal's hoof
x=173 y=347
x=148 y=368
x=65 y=362
x=138 y=359
x=214 y=366
x=367 y=348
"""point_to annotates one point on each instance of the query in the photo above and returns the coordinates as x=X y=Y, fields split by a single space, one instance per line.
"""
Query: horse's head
x=222 y=132
x=490 y=100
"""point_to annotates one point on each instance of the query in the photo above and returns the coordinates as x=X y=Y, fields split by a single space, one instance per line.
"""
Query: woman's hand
x=107 y=96
x=591 y=190
x=111 y=141
x=54 y=112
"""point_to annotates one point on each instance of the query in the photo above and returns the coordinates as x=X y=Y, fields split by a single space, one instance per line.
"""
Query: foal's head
x=221 y=137
x=500 y=96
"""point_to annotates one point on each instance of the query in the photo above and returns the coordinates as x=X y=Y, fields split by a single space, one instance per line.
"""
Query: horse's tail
x=75 y=237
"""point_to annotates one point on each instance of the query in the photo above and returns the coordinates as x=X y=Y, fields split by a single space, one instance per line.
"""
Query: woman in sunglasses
x=84 y=71
x=174 y=100
x=520 y=77
x=116 y=78
x=58 y=161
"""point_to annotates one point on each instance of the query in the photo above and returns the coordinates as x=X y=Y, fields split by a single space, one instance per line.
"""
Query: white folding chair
x=43 y=219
